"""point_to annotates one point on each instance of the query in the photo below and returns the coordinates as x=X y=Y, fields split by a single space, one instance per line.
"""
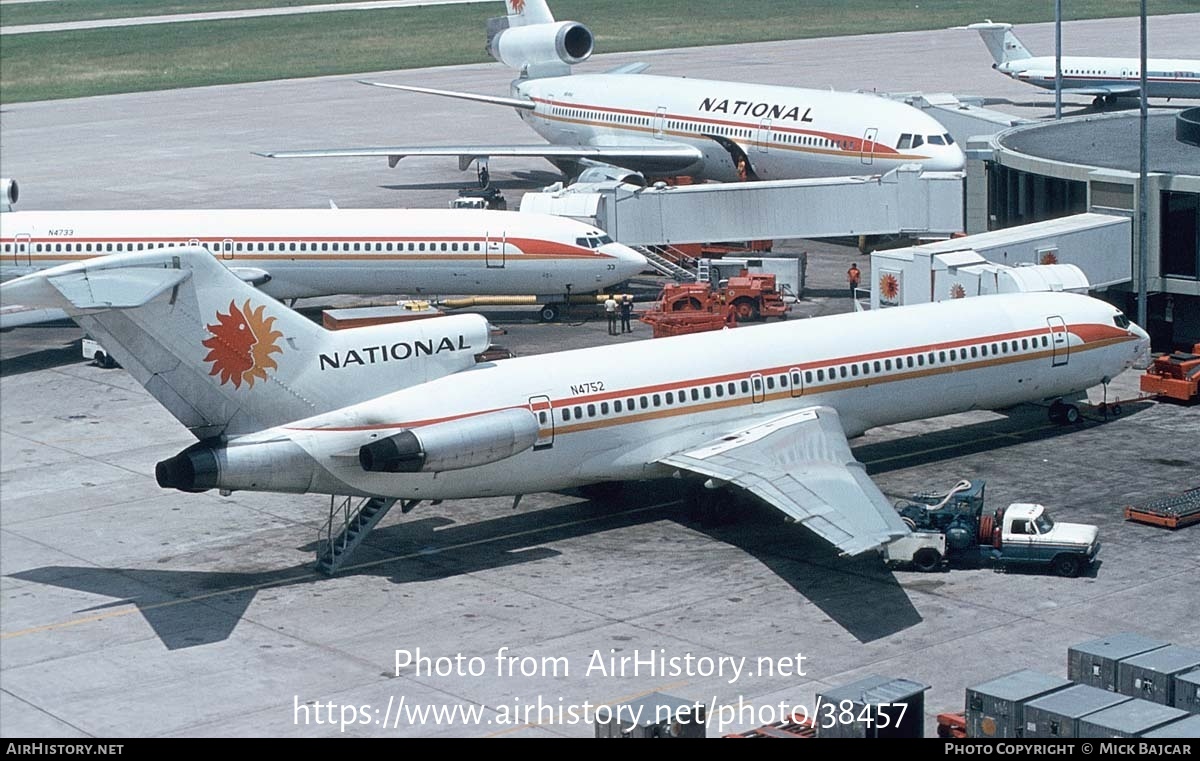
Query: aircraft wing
x=801 y=464
x=659 y=157
x=1101 y=90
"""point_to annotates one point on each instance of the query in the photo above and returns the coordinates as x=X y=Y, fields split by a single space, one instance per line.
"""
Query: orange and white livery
x=765 y=410
x=658 y=126
x=295 y=253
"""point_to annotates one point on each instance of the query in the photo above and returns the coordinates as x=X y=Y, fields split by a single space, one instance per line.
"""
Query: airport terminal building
x=1045 y=170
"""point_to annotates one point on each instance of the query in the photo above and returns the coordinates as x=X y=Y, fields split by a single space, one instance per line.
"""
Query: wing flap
x=801 y=464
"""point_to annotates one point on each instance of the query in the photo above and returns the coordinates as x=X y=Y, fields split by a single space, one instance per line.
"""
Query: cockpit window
x=605 y=240
x=949 y=139
x=588 y=242
x=936 y=140
x=918 y=141
x=1121 y=321
x=905 y=141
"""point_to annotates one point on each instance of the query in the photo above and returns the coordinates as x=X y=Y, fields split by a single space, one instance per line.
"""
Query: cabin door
x=21 y=250
x=758 y=392
x=660 y=120
x=796 y=382
x=493 y=251
x=1060 y=346
x=544 y=412
x=764 y=136
x=867 y=153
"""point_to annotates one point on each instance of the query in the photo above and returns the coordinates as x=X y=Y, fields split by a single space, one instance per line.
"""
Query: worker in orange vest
x=853 y=276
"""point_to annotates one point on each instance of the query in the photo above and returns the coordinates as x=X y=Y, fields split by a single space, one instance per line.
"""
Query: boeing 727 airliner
x=279 y=405
x=294 y=253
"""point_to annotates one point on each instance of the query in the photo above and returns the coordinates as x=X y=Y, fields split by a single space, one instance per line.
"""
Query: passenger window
x=941 y=356
x=771 y=381
x=878 y=368
x=720 y=390
x=670 y=398
x=645 y=402
x=657 y=400
x=1024 y=344
x=695 y=395
x=566 y=414
x=629 y=404
x=732 y=389
x=591 y=410
x=579 y=413
x=887 y=364
x=983 y=350
x=542 y=417
x=745 y=388
x=707 y=392
x=821 y=374
x=617 y=406
x=854 y=370
x=1043 y=341
x=808 y=376
x=843 y=371
x=910 y=361
x=921 y=360
x=973 y=352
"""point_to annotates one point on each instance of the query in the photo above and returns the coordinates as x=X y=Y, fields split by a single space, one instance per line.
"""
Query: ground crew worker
x=853 y=276
x=626 y=313
x=610 y=309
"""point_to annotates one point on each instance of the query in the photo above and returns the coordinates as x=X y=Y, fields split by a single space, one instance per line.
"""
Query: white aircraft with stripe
x=766 y=410
x=658 y=126
x=1106 y=78
x=294 y=253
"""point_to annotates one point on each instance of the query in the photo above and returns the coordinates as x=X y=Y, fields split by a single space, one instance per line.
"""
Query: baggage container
x=1095 y=662
x=1186 y=727
x=1151 y=676
x=879 y=706
x=997 y=708
x=1058 y=714
x=1133 y=718
x=1187 y=691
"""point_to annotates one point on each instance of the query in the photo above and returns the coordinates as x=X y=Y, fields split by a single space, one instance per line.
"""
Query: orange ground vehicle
x=1175 y=375
x=696 y=307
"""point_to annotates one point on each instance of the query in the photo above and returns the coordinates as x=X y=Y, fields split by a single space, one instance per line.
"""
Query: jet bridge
x=903 y=201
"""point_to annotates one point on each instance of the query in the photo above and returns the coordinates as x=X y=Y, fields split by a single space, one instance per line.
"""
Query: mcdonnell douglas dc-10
x=662 y=126
x=296 y=253
x=767 y=410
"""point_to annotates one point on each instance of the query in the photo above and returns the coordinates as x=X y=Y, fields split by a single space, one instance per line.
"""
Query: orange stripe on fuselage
x=1102 y=335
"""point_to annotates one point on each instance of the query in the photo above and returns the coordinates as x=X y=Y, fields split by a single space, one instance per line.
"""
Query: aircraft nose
x=629 y=262
x=950 y=159
x=1142 y=347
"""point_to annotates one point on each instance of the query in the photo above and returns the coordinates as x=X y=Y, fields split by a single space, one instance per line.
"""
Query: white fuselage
x=611 y=413
x=1165 y=78
x=318 y=252
x=785 y=132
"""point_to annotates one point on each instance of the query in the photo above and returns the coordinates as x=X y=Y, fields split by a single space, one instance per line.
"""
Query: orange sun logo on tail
x=241 y=345
x=518 y=6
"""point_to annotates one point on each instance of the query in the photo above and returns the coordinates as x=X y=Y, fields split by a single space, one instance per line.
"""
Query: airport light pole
x=1057 y=59
x=1143 y=191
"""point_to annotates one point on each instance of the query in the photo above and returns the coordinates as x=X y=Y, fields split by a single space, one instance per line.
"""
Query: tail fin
x=226 y=359
x=528 y=12
x=1001 y=42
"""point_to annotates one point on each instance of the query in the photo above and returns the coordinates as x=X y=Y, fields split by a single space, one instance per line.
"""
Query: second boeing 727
x=659 y=126
x=296 y=253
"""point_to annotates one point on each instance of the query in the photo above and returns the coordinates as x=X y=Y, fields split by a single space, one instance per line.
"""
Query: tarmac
x=129 y=611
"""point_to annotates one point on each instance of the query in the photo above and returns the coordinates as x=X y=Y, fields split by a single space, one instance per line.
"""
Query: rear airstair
x=352 y=524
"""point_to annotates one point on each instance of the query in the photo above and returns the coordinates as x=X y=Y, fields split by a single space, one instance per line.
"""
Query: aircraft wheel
x=927 y=559
x=1070 y=414
x=1115 y=409
x=550 y=313
x=1098 y=102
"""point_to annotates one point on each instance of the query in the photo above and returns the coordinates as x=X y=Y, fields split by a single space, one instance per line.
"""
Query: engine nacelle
x=454 y=445
x=278 y=466
x=527 y=48
x=8 y=193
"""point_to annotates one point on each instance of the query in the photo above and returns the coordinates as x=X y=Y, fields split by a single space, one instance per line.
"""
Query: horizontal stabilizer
x=19 y=315
x=495 y=100
x=125 y=288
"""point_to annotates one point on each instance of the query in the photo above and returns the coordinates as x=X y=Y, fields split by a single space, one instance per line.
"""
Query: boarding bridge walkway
x=905 y=201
